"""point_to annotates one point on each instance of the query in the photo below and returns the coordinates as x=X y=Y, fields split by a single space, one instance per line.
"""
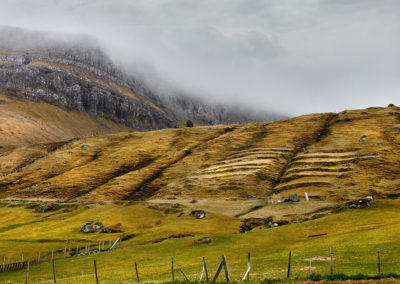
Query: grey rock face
x=76 y=75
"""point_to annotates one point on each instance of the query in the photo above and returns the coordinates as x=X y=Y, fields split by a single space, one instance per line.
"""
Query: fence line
x=294 y=263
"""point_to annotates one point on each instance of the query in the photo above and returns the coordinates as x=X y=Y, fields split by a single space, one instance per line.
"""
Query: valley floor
x=156 y=231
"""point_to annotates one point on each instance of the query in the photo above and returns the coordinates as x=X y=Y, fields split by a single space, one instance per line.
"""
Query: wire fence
x=371 y=261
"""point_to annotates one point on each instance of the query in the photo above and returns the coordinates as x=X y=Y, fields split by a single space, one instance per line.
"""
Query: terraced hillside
x=333 y=157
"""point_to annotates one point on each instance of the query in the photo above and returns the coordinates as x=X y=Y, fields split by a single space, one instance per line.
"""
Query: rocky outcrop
x=92 y=227
x=77 y=75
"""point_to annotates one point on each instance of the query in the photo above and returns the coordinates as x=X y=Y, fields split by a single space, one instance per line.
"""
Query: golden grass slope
x=158 y=234
x=24 y=122
x=333 y=157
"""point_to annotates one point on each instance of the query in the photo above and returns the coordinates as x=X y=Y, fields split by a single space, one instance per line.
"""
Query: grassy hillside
x=24 y=122
x=334 y=157
x=354 y=234
x=150 y=182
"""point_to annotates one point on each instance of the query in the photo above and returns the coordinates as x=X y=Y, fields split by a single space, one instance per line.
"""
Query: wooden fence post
x=226 y=268
x=54 y=271
x=39 y=256
x=379 y=261
x=137 y=273
x=218 y=271
x=103 y=244
x=22 y=256
x=27 y=273
x=331 y=260
x=289 y=264
x=172 y=268
x=77 y=249
x=184 y=275
x=95 y=271
x=65 y=252
x=99 y=245
x=205 y=268
x=248 y=265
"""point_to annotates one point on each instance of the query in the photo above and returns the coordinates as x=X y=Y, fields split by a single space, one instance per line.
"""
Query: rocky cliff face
x=76 y=75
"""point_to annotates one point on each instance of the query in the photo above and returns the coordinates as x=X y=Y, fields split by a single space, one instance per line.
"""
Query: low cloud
x=292 y=57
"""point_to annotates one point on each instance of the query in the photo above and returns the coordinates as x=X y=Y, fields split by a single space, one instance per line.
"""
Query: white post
x=306 y=196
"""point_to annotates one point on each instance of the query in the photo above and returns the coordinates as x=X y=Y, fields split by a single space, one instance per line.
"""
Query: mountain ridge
x=75 y=75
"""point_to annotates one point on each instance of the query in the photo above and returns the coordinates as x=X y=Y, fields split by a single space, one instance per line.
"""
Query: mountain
x=333 y=157
x=61 y=86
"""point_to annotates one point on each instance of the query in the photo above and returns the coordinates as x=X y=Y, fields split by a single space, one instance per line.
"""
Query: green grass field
x=354 y=234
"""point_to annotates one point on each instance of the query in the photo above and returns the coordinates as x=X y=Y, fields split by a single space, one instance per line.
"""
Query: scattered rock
x=360 y=203
x=362 y=139
x=252 y=196
x=45 y=207
x=205 y=240
x=292 y=198
x=177 y=193
x=92 y=227
x=272 y=225
x=84 y=146
x=175 y=205
x=117 y=228
x=391 y=105
x=193 y=201
x=251 y=223
x=199 y=214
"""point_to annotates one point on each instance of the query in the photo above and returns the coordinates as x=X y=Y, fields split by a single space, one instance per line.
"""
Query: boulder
x=117 y=228
x=360 y=203
x=46 y=207
x=199 y=214
x=92 y=227
x=251 y=223
x=292 y=198
x=205 y=240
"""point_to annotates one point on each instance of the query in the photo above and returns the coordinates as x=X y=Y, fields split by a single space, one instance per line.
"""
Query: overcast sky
x=290 y=56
